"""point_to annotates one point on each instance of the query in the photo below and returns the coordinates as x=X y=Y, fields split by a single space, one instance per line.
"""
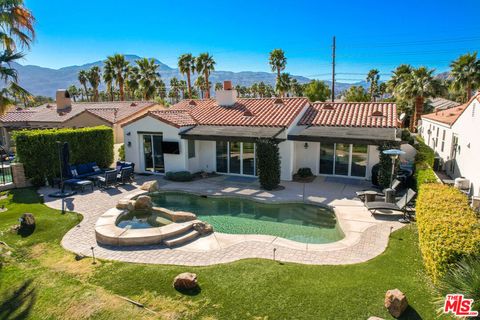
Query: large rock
x=143 y=203
x=395 y=302
x=176 y=216
x=203 y=228
x=185 y=281
x=125 y=204
x=150 y=186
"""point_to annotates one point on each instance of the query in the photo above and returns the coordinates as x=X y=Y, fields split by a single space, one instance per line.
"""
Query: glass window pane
x=341 y=159
x=326 y=158
x=148 y=152
x=191 y=149
x=222 y=160
x=359 y=160
x=248 y=158
x=158 y=154
x=234 y=157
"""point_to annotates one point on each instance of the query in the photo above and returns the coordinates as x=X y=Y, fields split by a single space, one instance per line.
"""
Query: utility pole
x=333 y=70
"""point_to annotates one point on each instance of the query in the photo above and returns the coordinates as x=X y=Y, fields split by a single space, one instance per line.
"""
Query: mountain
x=45 y=81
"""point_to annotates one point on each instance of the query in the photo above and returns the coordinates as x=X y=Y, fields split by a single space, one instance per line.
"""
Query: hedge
x=423 y=164
x=448 y=228
x=39 y=152
x=268 y=163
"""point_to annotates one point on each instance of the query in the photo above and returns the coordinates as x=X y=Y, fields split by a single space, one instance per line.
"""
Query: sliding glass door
x=236 y=157
x=343 y=159
x=153 y=153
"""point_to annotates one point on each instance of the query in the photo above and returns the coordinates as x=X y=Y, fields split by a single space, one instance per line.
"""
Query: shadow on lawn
x=410 y=314
x=19 y=304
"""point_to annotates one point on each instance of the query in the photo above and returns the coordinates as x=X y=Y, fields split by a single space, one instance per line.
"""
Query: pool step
x=182 y=238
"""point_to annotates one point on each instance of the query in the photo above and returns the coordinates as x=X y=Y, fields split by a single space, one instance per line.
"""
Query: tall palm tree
x=16 y=25
x=11 y=91
x=174 y=89
x=418 y=86
x=200 y=84
x=278 y=62
x=283 y=84
x=74 y=92
x=205 y=64
x=120 y=66
x=218 y=86
x=262 y=89
x=83 y=79
x=296 y=88
x=373 y=77
x=109 y=77
x=466 y=73
x=94 y=76
x=149 y=77
x=133 y=81
x=161 y=89
x=186 y=65
x=182 y=86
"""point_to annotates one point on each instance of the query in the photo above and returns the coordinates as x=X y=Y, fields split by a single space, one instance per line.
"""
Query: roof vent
x=133 y=104
x=328 y=107
x=247 y=113
x=192 y=103
x=278 y=101
x=377 y=113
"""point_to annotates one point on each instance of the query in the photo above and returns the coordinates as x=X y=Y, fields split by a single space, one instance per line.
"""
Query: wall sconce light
x=468 y=145
x=305 y=145
x=129 y=144
x=129 y=133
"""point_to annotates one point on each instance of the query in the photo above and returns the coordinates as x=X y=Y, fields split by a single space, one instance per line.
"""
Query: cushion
x=96 y=168
x=74 y=172
x=83 y=168
x=118 y=168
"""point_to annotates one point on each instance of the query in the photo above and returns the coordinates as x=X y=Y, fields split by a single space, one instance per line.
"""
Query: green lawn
x=51 y=284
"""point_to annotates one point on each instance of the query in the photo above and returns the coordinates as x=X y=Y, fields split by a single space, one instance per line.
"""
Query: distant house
x=442 y=104
x=67 y=114
x=454 y=136
x=332 y=139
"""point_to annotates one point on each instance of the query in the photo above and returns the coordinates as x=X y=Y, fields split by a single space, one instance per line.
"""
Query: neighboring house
x=67 y=114
x=337 y=139
x=454 y=136
x=442 y=104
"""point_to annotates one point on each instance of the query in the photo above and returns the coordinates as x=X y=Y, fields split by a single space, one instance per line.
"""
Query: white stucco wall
x=286 y=149
x=306 y=158
x=430 y=138
x=207 y=153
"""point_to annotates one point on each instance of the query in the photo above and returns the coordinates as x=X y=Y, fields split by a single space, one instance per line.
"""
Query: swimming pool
x=295 y=221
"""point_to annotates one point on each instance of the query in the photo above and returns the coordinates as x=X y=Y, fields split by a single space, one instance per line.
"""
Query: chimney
x=63 y=100
x=228 y=96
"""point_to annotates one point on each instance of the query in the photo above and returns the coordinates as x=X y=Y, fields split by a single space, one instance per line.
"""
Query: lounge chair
x=361 y=194
x=108 y=179
x=400 y=205
x=125 y=175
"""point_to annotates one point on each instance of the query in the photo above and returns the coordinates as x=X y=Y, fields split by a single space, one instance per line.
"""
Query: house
x=67 y=114
x=453 y=135
x=442 y=104
x=338 y=139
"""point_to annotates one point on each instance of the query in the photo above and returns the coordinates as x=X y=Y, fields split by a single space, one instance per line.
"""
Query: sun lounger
x=361 y=194
x=400 y=205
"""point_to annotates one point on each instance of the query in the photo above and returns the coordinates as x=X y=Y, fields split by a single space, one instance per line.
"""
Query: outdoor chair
x=125 y=175
x=400 y=205
x=108 y=179
x=362 y=194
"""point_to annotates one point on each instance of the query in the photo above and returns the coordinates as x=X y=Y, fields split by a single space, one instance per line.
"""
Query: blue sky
x=240 y=34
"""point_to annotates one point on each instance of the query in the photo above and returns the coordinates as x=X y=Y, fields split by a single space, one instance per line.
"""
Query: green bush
x=448 y=228
x=406 y=136
x=268 y=163
x=423 y=164
x=121 y=152
x=181 y=176
x=39 y=152
x=304 y=172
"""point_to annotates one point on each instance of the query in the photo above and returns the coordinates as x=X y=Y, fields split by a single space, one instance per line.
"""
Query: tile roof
x=442 y=104
x=110 y=111
x=173 y=117
x=448 y=116
x=351 y=114
x=245 y=112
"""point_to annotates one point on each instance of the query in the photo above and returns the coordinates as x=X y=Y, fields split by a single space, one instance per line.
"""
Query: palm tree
x=74 y=92
x=278 y=62
x=205 y=64
x=120 y=67
x=149 y=77
x=201 y=85
x=174 y=89
x=466 y=73
x=218 y=86
x=254 y=89
x=11 y=90
x=132 y=82
x=108 y=77
x=296 y=88
x=418 y=86
x=182 y=86
x=186 y=65
x=373 y=77
x=94 y=76
x=83 y=79
x=16 y=25
x=262 y=89
x=161 y=89
x=283 y=84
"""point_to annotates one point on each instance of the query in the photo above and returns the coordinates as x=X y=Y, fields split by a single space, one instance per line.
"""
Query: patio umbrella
x=65 y=159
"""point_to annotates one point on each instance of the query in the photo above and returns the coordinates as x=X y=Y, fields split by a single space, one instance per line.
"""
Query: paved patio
x=365 y=236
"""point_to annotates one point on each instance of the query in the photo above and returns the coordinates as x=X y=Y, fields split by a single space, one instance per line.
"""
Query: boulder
x=27 y=221
x=203 y=227
x=123 y=204
x=395 y=302
x=182 y=216
x=150 y=186
x=143 y=203
x=185 y=281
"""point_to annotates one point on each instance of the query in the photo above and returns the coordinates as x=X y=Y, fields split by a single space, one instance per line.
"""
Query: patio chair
x=108 y=179
x=361 y=194
x=400 y=205
x=125 y=175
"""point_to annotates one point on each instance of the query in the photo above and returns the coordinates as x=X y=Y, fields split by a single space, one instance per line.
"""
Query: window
x=443 y=139
x=236 y=157
x=343 y=159
x=191 y=149
x=436 y=138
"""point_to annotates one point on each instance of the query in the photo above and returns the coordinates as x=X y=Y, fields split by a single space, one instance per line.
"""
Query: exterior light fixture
x=129 y=133
x=129 y=143
x=305 y=145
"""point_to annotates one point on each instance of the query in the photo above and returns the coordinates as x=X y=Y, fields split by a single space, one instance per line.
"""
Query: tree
x=254 y=90
x=218 y=86
x=268 y=162
x=200 y=83
x=83 y=79
x=373 y=77
x=120 y=68
x=296 y=88
x=132 y=82
x=205 y=64
x=149 y=77
x=317 y=90
x=466 y=73
x=174 y=89
x=262 y=89
x=11 y=91
x=108 y=77
x=16 y=25
x=74 y=92
x=186 y=65
x=356 y=94
x=278 y=62
x=283 y=84
x=161 y=89
x=94 y=76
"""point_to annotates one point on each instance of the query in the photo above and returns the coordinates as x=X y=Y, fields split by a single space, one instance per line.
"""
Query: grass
x=52 y=284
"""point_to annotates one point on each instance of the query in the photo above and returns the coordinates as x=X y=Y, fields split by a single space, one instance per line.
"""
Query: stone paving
x=366 y=236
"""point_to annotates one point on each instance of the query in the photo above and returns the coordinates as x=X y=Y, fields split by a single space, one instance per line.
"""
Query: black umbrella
x=65 y=159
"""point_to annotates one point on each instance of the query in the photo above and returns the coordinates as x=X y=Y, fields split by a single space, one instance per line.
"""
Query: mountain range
x=45 y=81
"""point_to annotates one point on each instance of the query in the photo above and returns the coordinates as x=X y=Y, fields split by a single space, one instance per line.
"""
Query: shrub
x=448 y=228
x=39 y=152
x=423 y=164
x=180 y=176
x=406 y=136
x=268 y=163
x=304 y=172
x=121 y=152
